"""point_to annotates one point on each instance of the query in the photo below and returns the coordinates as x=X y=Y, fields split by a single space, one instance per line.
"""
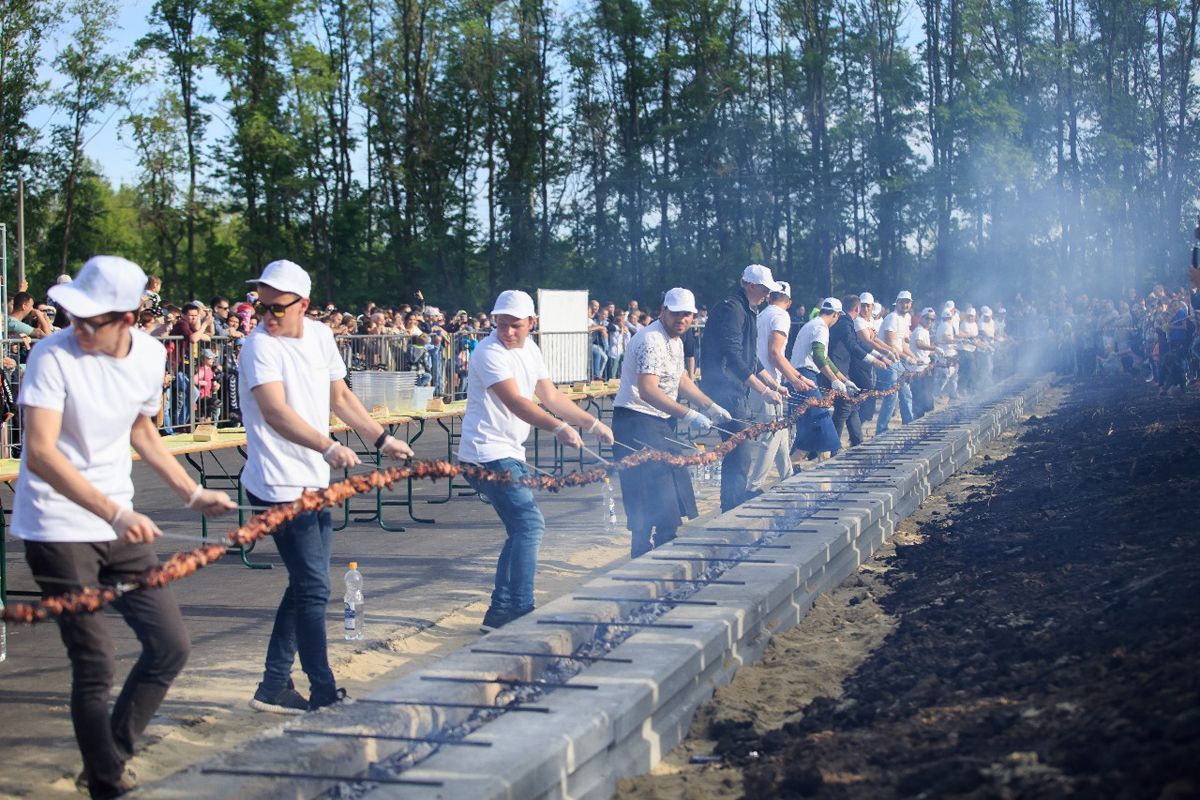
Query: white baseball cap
x=105 y=284
x=61 y=279
x=876 y=308
x=760 y=275
x=947 y=313
x=928 y=312
x=679 y=300
x=904 y=295
x=985 y=312
x=970 y=312
x=831 y=304
x=286 y=276
x=866 y=299
x=949 y=306
x=514 y=303
x=784 y=288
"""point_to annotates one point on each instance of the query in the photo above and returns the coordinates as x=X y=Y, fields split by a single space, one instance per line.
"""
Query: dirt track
x=1046 y=637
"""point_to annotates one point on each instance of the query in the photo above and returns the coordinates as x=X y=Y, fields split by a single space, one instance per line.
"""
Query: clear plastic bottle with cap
x=355 y=621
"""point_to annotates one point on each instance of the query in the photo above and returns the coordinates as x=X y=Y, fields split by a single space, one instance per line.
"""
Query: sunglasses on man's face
x=277 y=309
x=94 y=324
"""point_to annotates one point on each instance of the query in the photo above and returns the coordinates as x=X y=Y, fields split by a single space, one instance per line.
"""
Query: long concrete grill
x=618 y=717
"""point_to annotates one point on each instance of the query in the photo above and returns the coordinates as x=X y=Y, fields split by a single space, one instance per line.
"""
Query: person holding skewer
x=507 y=371
x=653 y=379
x=815 y=432
x=74 y=505
x=290 y=376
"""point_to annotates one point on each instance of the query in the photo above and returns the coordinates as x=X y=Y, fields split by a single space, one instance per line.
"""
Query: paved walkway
x=426 y=590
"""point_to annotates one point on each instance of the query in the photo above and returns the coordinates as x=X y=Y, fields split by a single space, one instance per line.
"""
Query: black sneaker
x=338 y=696
x=493 y=619
x=127 y=783
x=285 y=701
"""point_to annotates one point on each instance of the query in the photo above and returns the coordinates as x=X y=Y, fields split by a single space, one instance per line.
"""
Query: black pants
x=845 y=415
x=106 y=741
x=735 y=467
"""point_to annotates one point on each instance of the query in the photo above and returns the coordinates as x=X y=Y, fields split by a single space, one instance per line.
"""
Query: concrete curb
x=820 y=524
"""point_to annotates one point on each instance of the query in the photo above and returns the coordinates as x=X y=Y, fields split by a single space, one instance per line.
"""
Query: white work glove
x=852 y=387
x=338 y=456
x=210 y=503
x=838 y=385
x=602 y=432
x=134 y=527
x=696 y=422
x=715 y=412
x=395 y=448
x=567 y=436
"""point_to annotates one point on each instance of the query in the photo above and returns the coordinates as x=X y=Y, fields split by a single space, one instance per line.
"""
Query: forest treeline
x=463 y=146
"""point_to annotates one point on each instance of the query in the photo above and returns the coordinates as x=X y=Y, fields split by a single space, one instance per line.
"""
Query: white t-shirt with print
x=987 y=329
x=490 y=430
x=650 y=352
x=771 y=319
x=815 y=331
x=100 y=397
x=276 y=468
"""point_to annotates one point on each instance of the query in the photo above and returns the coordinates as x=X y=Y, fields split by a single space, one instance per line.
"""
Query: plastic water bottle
x=354 y=619
x=3 y=636
x=610 y=507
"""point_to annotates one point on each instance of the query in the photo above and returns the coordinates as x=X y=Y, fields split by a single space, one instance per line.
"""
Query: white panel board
x=563 y=335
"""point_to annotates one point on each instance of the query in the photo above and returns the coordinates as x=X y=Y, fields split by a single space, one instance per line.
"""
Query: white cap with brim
x=61 y=279
x=831 y=305
x=985 y=312
x=514 y=303
x=866 y=299
x=104 y=285
x=904 y=295
x=680 y=301
x=928 y=312
x=785 y=288
x=760 y=275
x=286 y=276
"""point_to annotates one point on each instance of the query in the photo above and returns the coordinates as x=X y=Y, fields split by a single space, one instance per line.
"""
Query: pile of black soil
x=1049 y=636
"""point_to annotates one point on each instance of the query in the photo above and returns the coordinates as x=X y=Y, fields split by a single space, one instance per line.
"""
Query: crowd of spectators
x=1152 y=336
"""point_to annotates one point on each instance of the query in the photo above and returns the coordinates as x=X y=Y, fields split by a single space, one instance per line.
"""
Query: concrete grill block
x=642 y=709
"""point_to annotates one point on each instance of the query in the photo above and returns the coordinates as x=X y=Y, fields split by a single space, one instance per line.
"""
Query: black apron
x=647 y=491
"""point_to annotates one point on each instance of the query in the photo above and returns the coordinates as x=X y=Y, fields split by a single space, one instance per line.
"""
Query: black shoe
x=127 y=783
x=338 y=696
x=493 y=619
x=285 y=701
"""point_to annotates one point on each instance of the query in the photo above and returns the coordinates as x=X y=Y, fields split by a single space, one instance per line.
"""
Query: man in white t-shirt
x=895 y=332
x=967 y=339
x=653 y=380
x=944 y=339
x=867 y=332
x=507 y=371
x=815 y=432
x=89 y=392
x=774 y=325
x=290 y=377
x=922 y=348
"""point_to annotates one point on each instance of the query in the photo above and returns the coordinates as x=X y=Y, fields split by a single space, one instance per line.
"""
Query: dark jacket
x=845 y=348
x=728 y=357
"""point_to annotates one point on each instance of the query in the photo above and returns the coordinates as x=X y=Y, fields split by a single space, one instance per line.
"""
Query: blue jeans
x=304 y=545
x=524 y=526
x=599 y=360
x=887 y=404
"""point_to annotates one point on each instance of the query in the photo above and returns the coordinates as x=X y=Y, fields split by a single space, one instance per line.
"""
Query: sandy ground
x=812 y=660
